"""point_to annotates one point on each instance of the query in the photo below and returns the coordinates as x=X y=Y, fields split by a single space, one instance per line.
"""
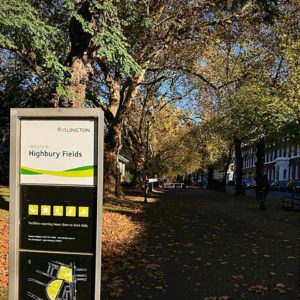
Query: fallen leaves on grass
x=280 y=288
x=119 y=232
x=118 y=237
x=259 y=289
x=237 y=277
x=4 y=253
x=4 y=195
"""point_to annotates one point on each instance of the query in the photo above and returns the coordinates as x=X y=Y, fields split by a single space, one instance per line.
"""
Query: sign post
x=56 y=166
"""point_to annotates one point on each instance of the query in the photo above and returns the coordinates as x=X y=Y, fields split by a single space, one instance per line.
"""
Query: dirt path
x=200 y=244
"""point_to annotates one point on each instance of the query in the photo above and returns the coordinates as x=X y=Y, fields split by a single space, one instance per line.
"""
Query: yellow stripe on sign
x=79 y=173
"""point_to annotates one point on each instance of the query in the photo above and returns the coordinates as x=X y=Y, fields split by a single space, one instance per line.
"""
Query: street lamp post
x=148 y=117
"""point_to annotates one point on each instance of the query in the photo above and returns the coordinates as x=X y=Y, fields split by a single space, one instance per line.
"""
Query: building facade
x=122 y=165
x=282 y=162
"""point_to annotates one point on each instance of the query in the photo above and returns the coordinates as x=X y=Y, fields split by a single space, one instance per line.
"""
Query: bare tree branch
x=189 y=71
x=154 y=81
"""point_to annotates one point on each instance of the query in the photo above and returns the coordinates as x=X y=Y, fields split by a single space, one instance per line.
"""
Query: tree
x=171 y=144
x=251 y=55
x=84 y=52
x=267 y=99
x=161 y=98
x=174 y=146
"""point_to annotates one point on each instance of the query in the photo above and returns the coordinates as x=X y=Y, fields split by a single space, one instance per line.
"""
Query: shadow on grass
x=4 y=204
x=126 y=207
x=132 y=205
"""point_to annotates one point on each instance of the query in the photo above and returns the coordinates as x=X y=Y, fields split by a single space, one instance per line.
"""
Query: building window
x=271 y=155
x=284 y=173
x=293 y=172
x=284 y=151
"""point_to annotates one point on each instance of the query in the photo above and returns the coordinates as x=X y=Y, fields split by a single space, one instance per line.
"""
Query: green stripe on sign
x=82 y=168
x=85 y=171
x=28 y=172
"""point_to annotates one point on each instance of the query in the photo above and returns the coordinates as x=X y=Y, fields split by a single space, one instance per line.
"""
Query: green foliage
x=38 y=33
x=25 y=32
x=292 y=86
x=175 y=148
x=109 y=39
x=112 y=48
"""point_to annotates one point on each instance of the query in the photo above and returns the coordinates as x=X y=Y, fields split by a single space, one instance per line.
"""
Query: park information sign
x=56 y=176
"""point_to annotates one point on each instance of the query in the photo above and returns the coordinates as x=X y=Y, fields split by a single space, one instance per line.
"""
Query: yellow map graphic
x=53 y=288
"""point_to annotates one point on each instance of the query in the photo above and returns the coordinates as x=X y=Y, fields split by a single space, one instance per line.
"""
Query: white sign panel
x=60 y=152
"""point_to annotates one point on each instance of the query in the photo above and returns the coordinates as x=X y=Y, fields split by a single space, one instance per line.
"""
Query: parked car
x=247 y=183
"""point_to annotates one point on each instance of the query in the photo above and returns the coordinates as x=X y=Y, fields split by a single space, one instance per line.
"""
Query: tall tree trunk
x=76 y=91
x=260 y=159
x=137 y=152
x=79 y=61
x=112 y=175
x=116 y=113
x=239 y=188
x=210 y=176
x=139 y=168
x=202 y=178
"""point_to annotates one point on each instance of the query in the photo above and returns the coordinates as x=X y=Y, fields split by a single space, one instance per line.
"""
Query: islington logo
x=72 y=130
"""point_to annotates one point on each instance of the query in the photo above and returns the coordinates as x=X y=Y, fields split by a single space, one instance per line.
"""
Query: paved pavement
x=199 y=244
